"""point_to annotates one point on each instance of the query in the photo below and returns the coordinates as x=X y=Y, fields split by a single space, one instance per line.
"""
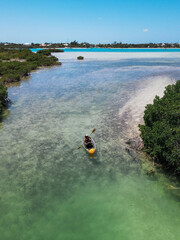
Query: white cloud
x=145 y=30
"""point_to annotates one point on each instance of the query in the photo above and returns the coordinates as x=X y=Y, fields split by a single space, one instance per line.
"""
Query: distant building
x=66 y=44
x=43 y=45
x=27 y=44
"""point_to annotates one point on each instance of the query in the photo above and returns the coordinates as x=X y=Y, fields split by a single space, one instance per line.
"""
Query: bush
x=3 y=96
x=14 y=70
x=80 y=58
x=161 y=131
x=47 y=52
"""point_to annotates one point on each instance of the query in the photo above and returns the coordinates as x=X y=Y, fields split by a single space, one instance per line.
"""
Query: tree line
x=76 y=44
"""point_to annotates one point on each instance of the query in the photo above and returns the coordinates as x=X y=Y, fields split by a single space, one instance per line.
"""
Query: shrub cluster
x=80 y=58
x=161 y=131
x=13 y=69
x=47 y=52
x=3 y=96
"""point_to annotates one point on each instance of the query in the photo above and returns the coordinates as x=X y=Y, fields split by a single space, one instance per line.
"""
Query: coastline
x=131 y=115
x=112 y=48
x=16 y=64
x=26 y=78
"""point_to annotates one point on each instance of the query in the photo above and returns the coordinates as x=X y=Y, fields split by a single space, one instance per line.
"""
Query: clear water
x=50 y=190
x=135 y=50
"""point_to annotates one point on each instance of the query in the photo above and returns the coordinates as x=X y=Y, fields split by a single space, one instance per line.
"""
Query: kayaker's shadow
x=93 y=159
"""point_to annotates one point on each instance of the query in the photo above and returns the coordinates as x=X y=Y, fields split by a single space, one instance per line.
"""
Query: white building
x=27 y=44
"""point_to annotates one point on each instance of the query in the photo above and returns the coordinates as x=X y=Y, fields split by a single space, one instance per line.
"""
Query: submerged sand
x=114 y=55
x=131 y=114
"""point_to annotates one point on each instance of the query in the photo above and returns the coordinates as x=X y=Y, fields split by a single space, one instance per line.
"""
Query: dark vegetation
x=161 y=131
x=47 y=52
x=80 y=58
x=140 y=45
x=3 y=96
x=17 y=63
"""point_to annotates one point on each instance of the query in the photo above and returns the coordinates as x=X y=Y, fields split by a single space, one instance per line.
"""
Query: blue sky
x=93 y=21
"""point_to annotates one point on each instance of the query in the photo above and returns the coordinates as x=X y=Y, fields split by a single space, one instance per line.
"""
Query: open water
x=135 y=50
x=50 y=190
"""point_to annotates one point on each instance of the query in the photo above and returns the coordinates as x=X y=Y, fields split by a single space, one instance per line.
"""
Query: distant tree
x=74 y=44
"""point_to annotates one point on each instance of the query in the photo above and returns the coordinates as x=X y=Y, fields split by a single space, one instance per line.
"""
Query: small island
x=18 y=63
x=80 y=58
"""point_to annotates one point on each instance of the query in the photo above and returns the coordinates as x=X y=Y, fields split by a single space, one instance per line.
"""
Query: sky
x=95 y=21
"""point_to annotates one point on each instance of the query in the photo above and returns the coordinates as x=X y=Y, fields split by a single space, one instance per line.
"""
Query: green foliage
x=3 y=96
x=47 y=52
x=16 y=63
x=7 y=54
x=161 y=131
x=80 y=58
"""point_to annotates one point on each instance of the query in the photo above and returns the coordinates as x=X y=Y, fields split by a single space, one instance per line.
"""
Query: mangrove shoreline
x=151 y=123
x=15 y=64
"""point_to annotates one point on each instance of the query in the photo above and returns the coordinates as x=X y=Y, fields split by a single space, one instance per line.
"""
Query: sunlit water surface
x=50 y=190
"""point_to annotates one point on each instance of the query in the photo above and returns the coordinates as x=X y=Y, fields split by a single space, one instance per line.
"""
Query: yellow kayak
x=89 y=144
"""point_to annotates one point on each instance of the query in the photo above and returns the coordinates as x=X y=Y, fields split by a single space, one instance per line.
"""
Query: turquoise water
x=135 y=50
x=51 y=190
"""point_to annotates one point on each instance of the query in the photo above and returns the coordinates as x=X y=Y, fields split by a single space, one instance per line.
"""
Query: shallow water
x=51 y=190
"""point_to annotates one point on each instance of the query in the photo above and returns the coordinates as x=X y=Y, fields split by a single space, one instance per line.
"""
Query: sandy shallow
x=115 y=55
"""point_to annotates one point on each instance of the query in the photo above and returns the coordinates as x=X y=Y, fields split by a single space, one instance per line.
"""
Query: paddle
x=93 y=131
x=89 y=135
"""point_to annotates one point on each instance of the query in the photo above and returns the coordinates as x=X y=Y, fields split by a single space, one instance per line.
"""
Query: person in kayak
x=87 y=139
x=87 y=142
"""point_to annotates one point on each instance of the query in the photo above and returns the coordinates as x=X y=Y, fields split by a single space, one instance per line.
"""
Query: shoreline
x=17 y=64
x=131 y=115
x=26 y=78
x=108 y=48
x=85 y=48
